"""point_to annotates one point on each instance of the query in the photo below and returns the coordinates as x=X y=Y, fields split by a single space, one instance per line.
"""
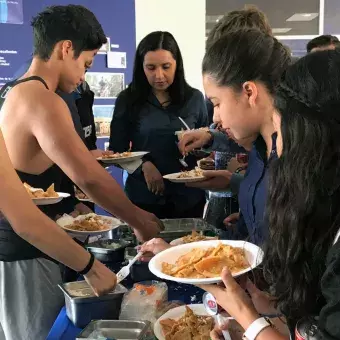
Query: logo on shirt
x=87 y=131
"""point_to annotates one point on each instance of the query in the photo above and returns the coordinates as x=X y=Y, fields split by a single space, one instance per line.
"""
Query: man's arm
x=40 y=231
x=30 y=223
x=55 y=134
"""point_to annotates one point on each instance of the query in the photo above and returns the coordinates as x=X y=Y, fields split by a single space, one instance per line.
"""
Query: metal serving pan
x=82 y=305
x=108 y=250
x=173 y=229
x=117 y=329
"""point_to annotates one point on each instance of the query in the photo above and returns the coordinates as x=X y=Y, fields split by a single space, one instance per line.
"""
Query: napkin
x=132 y=166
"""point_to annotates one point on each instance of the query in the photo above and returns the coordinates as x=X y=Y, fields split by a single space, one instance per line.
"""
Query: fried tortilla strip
x=50 y=192
x=167 y=325
x=211 y=266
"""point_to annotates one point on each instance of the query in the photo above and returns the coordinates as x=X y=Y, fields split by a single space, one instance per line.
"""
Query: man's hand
x=193 y=139
x=101 y=279
x=150 y=226
x=216 y=180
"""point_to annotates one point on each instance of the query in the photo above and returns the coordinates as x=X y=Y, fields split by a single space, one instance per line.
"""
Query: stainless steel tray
x=115 y=329
x=173 y=228
x=82 y=309
x=176 y=228
x=102 y=251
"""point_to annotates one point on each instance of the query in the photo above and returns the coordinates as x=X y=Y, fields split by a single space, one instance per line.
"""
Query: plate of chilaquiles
x=42 y=197
x=111 y=157
x=190 y=176
x=202 y=262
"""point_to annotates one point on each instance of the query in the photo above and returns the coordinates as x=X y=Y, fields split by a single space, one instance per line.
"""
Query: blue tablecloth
x=63 y=329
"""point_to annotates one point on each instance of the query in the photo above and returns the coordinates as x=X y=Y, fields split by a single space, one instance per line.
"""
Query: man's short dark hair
x=322 y=41
x=73 y=22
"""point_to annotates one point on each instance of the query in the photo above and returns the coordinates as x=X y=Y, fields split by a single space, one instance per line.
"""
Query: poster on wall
x=11 y=12
x=106 y=47
x=102 y=118
x=105 y=85
x=116 y=59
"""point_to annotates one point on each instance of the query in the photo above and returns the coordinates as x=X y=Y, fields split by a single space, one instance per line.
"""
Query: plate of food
x=90 y=224
x=195 y=175
x=184 y=322
x=202 y=262
x=111 y=157
x=41 y=197
x=81 y=196
x=193 y=237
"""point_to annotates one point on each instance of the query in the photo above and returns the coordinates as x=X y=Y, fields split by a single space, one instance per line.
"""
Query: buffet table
x=63 y=329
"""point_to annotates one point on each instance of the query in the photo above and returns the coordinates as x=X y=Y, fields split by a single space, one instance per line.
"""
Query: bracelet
x=256 y=328
x=89 y=266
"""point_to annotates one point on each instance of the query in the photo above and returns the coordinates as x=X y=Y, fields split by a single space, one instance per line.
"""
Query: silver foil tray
x=80 y=292
x=115 y=329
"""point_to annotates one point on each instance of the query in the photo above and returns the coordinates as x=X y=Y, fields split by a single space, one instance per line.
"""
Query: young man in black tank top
x=39 y=133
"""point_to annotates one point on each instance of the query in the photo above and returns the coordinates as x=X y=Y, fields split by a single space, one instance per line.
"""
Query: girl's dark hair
x=139 y=89
x=245 y=55
x=249 y=17
x=304 y=185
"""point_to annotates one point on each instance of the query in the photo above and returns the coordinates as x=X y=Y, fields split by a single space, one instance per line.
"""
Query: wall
x=116 y=16
x=185 y=19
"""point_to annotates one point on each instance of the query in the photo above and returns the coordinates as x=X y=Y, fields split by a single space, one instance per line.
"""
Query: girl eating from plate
x=302 y=257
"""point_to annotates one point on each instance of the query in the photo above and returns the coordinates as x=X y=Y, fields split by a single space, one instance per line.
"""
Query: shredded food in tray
x=207 y=263
x=40 y=193
x=188 y=327
x=196 y=237
x=89 y=223
x=197 y=172
x=111 y=154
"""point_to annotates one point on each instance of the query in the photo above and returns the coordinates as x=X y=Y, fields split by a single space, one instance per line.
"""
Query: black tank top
x=13 y=247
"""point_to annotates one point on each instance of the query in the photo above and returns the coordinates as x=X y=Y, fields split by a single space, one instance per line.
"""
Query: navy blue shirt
x=154 y=131
x=253 y=193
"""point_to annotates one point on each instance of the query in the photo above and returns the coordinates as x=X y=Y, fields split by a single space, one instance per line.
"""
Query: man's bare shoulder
x=34 y=98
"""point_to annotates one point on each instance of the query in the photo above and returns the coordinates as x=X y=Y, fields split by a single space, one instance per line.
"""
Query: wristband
x=89 y=266
x=256 y=328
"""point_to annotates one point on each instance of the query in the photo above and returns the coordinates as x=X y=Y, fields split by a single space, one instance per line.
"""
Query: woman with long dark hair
x=302 y=254
x=147 y=115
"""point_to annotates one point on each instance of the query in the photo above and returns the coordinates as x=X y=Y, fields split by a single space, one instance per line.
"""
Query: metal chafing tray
x=174 y=228
x=104 y=251
x=115 y=329
x=82 y=305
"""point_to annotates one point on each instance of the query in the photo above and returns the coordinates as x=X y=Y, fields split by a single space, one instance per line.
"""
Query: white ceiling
x=277 y=11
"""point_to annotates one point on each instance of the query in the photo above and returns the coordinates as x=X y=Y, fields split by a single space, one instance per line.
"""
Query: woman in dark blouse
x=146 y=116
x=302 y=257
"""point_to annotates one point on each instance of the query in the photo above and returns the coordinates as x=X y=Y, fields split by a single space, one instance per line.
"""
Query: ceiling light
x=281 y=30
x=212 y=19
x=303 y=17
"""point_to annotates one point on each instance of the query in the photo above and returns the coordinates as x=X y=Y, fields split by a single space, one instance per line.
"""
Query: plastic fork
x=182 y=160
x=125 y=271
